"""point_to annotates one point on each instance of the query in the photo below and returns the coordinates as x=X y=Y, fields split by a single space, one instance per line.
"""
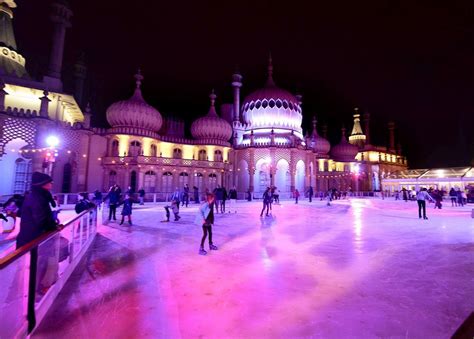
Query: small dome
x=319 y=144
x=134 y=112
x=272 y=107
x=344 y=151
x=211 y=126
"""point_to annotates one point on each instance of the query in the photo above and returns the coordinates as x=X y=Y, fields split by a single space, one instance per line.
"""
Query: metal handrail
x=18 y=253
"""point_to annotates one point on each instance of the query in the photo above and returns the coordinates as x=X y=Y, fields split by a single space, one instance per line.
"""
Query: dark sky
x=407 y=61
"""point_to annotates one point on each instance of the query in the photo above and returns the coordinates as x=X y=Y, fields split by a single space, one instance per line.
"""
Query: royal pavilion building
x=254 y=143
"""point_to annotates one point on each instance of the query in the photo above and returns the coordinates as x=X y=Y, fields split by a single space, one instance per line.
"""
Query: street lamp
x=50 y=156
x=52 y=141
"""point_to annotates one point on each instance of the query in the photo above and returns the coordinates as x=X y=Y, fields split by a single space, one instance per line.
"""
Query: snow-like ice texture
x=362 y=268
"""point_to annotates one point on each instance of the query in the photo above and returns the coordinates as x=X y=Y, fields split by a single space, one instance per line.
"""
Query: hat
x=40 y=179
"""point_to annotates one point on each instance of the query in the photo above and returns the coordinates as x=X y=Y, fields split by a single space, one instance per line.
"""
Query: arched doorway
x=183 y=179
x=242 y=176
x=198 y=182
x=133 y=181
x=212 y=182
x=282 y=176
x=149 y=182
x=67 y=178
x=299 y=176
x=167 y=182
x=262 y=176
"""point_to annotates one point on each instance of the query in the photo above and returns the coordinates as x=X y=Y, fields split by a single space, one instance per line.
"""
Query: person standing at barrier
x=36 y=214
x=421 y=198
x=141 y=196
x=205 y=217
x=114 y=198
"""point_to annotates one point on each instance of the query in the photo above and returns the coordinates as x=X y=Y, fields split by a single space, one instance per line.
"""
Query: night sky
x=406 y=61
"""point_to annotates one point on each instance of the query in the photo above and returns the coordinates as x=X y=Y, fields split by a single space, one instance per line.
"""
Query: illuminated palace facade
x=252 y=144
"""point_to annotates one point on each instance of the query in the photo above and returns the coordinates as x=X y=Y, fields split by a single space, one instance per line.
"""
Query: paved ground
x=361 y=268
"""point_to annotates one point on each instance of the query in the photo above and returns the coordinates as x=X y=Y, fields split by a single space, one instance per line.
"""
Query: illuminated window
x=218 y=155
x=115 y=148
x=22 y=176
x=177 y=154
x=135 y=149
x=153 y=151
x=202 y=155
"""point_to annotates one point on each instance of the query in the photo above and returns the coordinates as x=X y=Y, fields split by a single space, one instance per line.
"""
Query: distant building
x=255 y=144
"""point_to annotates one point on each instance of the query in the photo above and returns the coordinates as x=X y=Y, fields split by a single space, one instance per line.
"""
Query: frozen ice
x=360 y=268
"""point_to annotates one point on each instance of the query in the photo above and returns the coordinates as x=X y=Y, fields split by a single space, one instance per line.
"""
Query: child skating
x=173 y=207
x=127 y=209
x=205 y=217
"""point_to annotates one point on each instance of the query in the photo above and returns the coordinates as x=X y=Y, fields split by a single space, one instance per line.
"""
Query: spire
x=270 y=82
x=315 y=132
x=138 y=83
x=343 y=132
x=357 y=136
x=212 y=109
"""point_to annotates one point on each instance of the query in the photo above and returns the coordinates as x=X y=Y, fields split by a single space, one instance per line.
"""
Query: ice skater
x=266 y=198
x=296 y=195
x=421 y=198
x=205 y=217
x=173 y=207
x=127 y=209
x=233 y=199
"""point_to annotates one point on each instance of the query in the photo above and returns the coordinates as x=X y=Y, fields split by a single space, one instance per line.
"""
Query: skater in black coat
x=36 y=215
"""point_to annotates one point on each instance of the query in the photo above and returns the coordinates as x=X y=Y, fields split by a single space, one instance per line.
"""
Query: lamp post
x=51 y=154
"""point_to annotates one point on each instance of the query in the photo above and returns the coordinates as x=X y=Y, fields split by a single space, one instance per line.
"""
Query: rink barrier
x=33 y=275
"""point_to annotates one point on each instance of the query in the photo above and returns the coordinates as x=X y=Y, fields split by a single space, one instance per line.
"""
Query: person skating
x=421 y=198
x=310 y=193
x=205 y=217
x=114 y=198
x=233 y=200
x=296 y=194
x=83 y=203
x=218 y=196
x=196 y=194
x=266 y=198
x=127 y=209
x=97 y=197
x=453 y=196
x=185 y=197
x=173 y=207
x=141 y=196
x=11 y=210
x=405 y=194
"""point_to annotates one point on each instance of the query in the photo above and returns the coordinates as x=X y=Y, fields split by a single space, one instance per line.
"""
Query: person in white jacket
x=205 y=217
x=421 y=198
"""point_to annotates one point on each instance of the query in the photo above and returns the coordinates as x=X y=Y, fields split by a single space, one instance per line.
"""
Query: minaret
x=270 y=82
x=87 y=116
x=236 y=84
x=357 y=137
x=367 y=128
x=212 y=109
x=391 y=131
x=80 y=71
x=11 y=62
x=60 y=16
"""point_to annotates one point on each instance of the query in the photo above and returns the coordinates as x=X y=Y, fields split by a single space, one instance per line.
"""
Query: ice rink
x=361 y=268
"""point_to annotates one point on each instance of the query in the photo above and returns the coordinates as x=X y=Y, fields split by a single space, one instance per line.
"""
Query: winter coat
x=233 y=194
x=114 y=197
x=219 y=192
x=83 y=205
x=202 y=214
x=141 y=193
x=127 y=207
x=37 y=217
x=267 y=197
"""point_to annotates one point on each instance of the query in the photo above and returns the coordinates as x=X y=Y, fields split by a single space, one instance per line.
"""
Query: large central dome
x=272 y=107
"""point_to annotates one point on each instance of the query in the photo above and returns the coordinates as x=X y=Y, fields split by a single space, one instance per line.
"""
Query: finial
x=270 y=70
x=213 y=97
x=343 y=130
x=138 y=78
x=88 y=108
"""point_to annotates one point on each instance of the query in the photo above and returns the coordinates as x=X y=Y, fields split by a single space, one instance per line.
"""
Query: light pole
x=51 y=154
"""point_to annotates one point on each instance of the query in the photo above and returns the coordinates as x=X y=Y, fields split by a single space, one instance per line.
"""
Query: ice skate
x=202 y=251
x=165 y=221
x=213 y=247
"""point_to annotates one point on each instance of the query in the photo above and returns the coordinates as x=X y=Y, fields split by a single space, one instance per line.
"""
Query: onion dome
x=134 y=112
x=272 y=107
x=317 y=142
x=344 y=151
x=211 y=126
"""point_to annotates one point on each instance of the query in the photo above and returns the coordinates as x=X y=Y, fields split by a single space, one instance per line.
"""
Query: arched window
x=150 y=180
x=167 y=182
x=112 y=178
x=198 y=181
x=177 y=154
x=212 y=181
x=114 y=151
x=218 y=155
x=183 y=179
x=135 y=149
x=153 y=151
x=22 y=176
x=202 y=154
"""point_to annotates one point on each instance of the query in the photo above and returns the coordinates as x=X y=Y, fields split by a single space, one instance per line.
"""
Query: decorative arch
x=150 y=182
x=283 y=176
x=218 y=155
x=183 y=179
x=177 y=153
x=243 y=176
x=299 y=176
x=212 y=180
x=202 y=155
x=262 y=175
x=114 y=148
x=135 y=148
x=167 y=182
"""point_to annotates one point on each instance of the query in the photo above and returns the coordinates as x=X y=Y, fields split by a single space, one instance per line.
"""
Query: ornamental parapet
x=160 y=161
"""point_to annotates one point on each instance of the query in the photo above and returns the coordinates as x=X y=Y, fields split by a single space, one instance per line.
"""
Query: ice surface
x=359 y=268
